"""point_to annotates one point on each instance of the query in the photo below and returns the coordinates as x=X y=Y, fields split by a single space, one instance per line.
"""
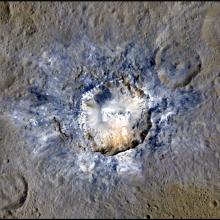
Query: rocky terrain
x=109 y=110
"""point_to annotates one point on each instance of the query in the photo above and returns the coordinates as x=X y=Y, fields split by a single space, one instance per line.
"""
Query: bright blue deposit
x=48 y=113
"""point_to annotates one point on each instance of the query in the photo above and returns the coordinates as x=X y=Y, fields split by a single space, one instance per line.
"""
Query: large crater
x=114 y=117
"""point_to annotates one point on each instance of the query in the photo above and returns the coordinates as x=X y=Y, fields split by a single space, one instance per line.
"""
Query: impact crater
x=114 y=117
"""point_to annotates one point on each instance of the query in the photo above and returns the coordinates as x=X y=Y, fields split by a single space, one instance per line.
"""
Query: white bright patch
x=110 y=123
x=127 y=164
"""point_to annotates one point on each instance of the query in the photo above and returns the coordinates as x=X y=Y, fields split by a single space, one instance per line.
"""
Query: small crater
x=177 y=65
x=213 y=204
x=148 y=217
x=7 y=81
x=35 y=212
x=13 y=191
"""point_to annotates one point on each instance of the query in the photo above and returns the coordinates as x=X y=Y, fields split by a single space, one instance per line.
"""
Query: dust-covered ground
x=109 y=110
